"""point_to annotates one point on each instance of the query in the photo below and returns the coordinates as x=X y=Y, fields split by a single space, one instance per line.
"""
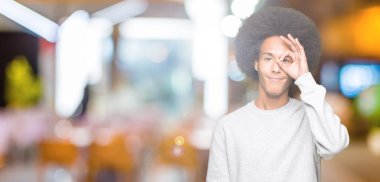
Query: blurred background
x=113 y=90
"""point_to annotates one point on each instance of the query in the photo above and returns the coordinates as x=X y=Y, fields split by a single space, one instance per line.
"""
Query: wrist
x=302 y=73
x=306 y=83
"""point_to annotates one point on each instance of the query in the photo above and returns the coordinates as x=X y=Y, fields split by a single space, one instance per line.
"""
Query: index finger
x=290 y=43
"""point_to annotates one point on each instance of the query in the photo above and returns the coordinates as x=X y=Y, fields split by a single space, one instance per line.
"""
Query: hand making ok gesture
x=297 y=65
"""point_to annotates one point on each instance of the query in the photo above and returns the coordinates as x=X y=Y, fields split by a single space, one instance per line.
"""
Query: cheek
x=262 y=67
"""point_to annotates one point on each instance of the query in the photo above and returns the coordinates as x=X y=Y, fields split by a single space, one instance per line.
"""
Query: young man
x=275 y=137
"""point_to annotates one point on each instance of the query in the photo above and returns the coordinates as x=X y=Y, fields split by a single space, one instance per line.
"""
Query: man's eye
x=267 y=59
x=286 y=60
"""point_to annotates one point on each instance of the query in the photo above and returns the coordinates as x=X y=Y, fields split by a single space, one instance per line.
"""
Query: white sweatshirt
x=284 y=144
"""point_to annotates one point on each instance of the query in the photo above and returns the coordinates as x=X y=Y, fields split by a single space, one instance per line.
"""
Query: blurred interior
x=112 y=90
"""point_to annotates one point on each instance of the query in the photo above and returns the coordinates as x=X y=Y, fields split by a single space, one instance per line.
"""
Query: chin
x=275 y=93
x=274 y=90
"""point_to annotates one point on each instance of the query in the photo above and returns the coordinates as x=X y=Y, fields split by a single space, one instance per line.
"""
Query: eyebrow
x=270 y=54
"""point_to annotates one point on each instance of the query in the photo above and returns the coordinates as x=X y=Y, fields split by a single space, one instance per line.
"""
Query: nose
x=275 y=67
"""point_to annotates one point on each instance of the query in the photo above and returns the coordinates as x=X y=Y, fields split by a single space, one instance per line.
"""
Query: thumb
x=281 y=63
x=282 y=66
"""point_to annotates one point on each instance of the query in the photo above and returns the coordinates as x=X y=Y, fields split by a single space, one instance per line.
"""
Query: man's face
x=272 y=79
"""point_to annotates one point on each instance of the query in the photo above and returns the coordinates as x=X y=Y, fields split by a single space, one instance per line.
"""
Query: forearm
x=330 y=135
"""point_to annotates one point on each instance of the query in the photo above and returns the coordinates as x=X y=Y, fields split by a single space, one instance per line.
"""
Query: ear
x=255 y=64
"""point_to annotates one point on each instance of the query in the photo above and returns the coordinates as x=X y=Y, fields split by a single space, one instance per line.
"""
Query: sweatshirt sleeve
x=218 y=165
x=330 y=135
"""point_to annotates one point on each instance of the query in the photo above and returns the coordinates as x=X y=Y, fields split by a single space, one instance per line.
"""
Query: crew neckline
x=252 y=106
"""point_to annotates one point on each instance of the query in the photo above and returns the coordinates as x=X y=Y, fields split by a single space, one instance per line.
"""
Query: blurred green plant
x=368 y=104
x=22 y=88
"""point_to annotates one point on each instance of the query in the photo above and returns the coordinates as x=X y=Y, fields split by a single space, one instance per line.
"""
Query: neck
x=268 y=102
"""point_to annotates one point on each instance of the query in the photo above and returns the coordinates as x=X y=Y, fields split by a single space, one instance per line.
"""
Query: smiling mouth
x=275 y=79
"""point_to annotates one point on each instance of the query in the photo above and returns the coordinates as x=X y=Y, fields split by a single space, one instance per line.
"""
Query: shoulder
x=298 y=106
x=232 y=117
x=298 y=103
x=227 y=122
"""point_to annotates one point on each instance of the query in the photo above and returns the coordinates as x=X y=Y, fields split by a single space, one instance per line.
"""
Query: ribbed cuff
x=306 y=82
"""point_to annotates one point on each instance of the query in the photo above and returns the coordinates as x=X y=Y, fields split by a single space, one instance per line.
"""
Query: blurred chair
x=176 y=160
x=55 y=152
x=2 y=161
x=111 y=161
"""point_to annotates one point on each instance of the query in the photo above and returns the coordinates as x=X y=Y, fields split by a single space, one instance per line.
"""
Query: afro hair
x=273 y=21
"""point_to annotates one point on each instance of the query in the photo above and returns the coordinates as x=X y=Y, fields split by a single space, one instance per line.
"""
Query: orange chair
x=175 y=150
x=2 y=160
x=56 y=152
x=113 y=155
